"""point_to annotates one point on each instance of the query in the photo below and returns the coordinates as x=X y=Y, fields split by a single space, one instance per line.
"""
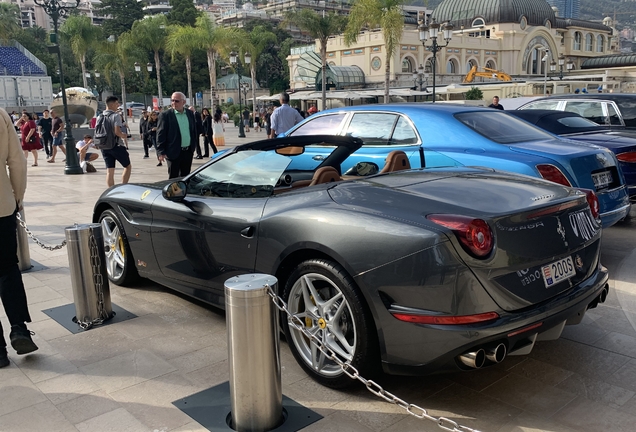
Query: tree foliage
x=123 y=14
x=81 y=35
x=183 y=12
x=9 y=19
x=474 y=94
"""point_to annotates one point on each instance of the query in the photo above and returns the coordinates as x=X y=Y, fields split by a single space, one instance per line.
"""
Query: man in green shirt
x=177 y=137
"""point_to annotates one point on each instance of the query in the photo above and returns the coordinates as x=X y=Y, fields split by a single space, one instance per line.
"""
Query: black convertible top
x=549 y=120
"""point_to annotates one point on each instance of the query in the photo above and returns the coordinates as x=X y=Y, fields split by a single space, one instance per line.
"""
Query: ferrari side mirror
x=175 y=192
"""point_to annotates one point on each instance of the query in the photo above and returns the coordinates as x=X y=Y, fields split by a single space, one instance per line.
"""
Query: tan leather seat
x=396 y=161
x=325 y=175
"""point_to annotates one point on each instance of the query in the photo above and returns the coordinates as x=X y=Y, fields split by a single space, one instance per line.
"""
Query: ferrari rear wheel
x=119 y=261
x=328 y=302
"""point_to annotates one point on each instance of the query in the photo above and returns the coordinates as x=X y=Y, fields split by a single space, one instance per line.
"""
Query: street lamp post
x=55 y=9
x=432 y=32
x=545 y=59
x=237 y=67
x=569 y=65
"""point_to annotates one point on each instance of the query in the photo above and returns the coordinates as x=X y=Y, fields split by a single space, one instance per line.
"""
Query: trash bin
x=89 y=279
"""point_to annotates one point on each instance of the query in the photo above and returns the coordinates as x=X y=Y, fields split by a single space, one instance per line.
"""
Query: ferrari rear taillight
x=553 y=174
x=592 y=201
x=474 y=234
x=445 y=319
x=627 y=157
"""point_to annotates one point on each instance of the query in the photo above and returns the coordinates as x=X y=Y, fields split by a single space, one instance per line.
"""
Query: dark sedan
x=414 y=270
x=570 y=125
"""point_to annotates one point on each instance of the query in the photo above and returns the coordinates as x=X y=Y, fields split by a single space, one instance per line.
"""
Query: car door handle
x=318 y=158
x=247 y=232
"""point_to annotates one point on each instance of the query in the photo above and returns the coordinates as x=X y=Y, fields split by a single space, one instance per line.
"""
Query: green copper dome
x=464 y=12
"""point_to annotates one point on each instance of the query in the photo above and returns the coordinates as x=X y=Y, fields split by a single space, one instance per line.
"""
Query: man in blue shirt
x=284 y=117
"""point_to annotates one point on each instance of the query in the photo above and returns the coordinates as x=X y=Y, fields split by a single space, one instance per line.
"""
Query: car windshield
x=502 y=128
x=246 y=174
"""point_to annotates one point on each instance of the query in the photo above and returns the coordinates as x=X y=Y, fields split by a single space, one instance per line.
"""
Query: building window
x=600 y=43
x=451 y=66
x=577 y=41
x=478 y=22
x=490 y=64
x=428 y=66
x=407 y=65
x=589 y=42
x=471 y=63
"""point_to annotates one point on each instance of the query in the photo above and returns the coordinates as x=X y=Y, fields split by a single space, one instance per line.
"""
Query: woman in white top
x=218 y=131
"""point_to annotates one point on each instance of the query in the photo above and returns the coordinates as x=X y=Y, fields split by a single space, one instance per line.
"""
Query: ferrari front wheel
x=119 y=262
x=325 y=298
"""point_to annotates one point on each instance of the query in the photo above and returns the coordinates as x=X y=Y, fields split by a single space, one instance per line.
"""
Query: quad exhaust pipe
x=474 y=359
x=497 y=353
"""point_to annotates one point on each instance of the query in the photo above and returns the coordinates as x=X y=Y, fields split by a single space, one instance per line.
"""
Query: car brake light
x=592 y=201
x=446 y=320
x=474 y=234
x=553 y=174
x=627 y=157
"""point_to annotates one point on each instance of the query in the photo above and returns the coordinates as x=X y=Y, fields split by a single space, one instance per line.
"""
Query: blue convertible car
x=473 y=137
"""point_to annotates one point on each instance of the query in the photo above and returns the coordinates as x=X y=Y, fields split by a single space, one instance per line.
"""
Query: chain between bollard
x=351 y=371
x=96 y=266
x=35 y=239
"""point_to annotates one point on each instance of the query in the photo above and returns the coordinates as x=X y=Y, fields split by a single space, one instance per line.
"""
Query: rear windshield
x=628 y=111
x=577 y=122
x=502 y=128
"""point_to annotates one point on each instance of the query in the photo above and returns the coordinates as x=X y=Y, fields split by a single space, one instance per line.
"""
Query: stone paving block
x=17 y=393
x=595 y=390
x=66 y=387
x=40 y=368
x=41 y=294
x=126 y=370
x=618 y=343
x=118 y=420
x=203 y=357
x=526 y=422
x=88 y=406
x=49 y=329
x=39 y=417
x=541 y=371
x=585 y=415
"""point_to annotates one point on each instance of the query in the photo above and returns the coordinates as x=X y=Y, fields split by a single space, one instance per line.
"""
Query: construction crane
x=488 y=73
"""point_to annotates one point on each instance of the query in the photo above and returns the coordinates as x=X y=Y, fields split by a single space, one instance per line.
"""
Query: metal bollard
x=24 y=255
x=87 y=263
x=253 y=353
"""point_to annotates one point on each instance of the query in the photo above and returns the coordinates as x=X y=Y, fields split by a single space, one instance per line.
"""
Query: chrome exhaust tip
x=474 y=359
x=496 y=354
x=603 y=296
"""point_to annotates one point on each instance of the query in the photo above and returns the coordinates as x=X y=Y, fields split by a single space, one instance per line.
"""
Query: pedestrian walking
x=150 y=134
x=30 y=138
x=218 y=130
x=12 y=187
x=495 y=104
x=199 y=126
x=113 y=121
x=57 y=132
x=124 y=127
x=284 y=117
x=208 y=133
x=246 y=119
x=177 y=137
x=142 y=124
x=268 y=121
x=44 y=128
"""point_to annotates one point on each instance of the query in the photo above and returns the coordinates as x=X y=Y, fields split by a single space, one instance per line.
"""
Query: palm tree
x=255 y=43
x=9 y=15
x=119 y=58
x=321 y=27
x=81 y=35
x=214 y=40
x=384 y=14
x=183 y=40
x=151 y=34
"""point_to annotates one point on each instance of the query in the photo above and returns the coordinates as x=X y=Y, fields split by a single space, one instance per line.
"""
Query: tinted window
x=403 y=133
x=614 y=118
x=576 y=122
x=246 y=174
x=588 y=109
x=544 y=104
x=628 y=111
x=373 y=128
x=502 y=128
x=326 y=124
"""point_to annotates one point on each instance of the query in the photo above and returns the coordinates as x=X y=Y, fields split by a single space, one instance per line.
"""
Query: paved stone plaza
x=125 y=376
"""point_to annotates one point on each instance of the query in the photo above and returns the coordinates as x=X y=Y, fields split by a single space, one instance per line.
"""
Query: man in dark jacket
x=177 y=137
x=199 y=123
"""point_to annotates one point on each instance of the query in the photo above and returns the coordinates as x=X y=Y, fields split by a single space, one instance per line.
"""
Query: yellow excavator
x=488 y=73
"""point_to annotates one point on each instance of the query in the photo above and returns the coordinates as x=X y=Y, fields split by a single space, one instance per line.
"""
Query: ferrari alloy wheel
x=329 y=304
x=119 y=261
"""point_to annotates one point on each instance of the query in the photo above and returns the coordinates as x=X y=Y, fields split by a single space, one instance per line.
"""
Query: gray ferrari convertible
x=404 y=270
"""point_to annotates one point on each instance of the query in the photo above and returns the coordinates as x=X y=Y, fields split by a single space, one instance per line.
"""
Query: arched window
x=478 y=22
x=577 y=41
x=535 y=65
x=470 y=64
x=589 y=42
x=428 y=66
x=491 y=64
x=451 y=66
x=600 y=43
x=407 y=65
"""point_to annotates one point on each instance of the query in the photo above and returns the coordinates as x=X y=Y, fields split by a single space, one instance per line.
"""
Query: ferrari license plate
x=558 y=271
x=602 y=179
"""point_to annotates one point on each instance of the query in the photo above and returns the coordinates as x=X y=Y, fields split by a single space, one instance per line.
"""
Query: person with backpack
x=108 y=138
